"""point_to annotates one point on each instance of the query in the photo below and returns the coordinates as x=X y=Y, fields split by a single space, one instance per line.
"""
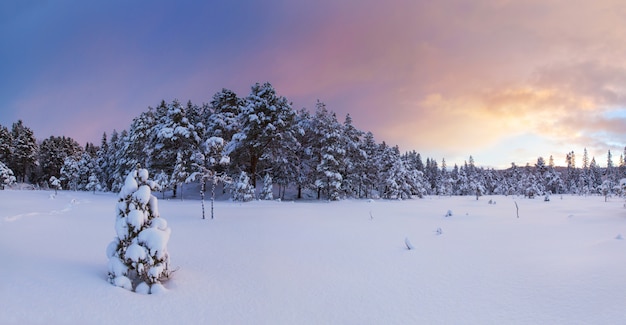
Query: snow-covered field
x=560 y=262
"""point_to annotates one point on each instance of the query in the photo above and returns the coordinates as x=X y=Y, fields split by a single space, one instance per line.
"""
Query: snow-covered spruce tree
x=94 y=183
x=138 y=257
x=24 y=154
x=6 y=176
x=330 y=152
x=266 y=192
x=242 y=190
x=267 y=126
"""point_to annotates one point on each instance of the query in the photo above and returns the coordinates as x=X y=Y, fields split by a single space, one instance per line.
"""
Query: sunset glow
x=503 y=81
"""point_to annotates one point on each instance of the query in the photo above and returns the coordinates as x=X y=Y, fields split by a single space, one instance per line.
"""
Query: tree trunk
x=213 y=182
x=254 y=160
x=202 y=196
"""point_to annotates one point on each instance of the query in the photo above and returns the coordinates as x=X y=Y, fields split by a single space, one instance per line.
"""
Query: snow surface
x=346 y=262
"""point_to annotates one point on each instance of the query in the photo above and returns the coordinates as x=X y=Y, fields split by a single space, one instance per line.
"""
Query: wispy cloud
x=448 y=78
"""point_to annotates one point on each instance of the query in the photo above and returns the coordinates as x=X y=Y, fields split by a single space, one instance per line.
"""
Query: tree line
x=260 y=137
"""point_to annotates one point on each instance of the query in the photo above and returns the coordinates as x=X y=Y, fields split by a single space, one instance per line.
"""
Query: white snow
x=130 y=185
x=142 y=195
x=136 y=253
x=135 y=218
x=269 y=262
x=155 y=240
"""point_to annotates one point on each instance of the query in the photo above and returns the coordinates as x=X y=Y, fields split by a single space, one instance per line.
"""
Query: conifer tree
x=354 y=158
x=221 y=118
x=173 y=142
x=242 y=190
x=138 y=256
x=6 y=176
x=6 y=145
x=371 y=164
x=267 y=192
x=267 y=123
x=331 y=153
x=25 y=151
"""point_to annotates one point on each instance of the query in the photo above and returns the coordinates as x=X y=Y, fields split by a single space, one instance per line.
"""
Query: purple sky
x=504 y=81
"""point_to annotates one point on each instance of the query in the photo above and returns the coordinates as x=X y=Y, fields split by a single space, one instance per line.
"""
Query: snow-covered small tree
x=70 y=172
x=163 y=179
x=267 y=192
x=138 y=257
x=94 y=183
x=605 y=189
x=6 y=176
x=242 y=190
x=55 y=183
x=181 y=173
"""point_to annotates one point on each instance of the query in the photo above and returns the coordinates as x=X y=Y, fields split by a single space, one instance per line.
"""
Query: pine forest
x=259 y=146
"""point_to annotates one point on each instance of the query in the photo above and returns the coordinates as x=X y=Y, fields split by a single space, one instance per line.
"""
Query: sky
x=502 y=81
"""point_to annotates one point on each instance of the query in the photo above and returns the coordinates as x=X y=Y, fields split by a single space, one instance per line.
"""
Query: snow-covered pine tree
x=267 y=122
x=138 y=257
x=102 y=160
x=6 y=176
x=304 y=162
x=6 y=144
x=70 y=173
x=136 y=149
x=25 y=150
x=242 y=190
x=173 y=141
x=181 y=173
x=223 y=118
x=353 y=165
x=397 y=182
x=87 y=166
x=94 y=183
x=267 y=192
x=371 y=164
x=163 y=180
x=330 y=152
x=116 y=161
x=52 y=154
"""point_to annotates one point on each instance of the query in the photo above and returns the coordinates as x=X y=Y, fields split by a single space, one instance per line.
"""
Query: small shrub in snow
x=138 y=257
x=408 y=244
x=439 y=231
x=55 y=183
x=242 y=190
x=449 y=213
x=546 y=198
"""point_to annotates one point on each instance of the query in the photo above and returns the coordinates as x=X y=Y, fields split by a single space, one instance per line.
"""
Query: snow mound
x=143 y=194
x=157 y=288
x=123 y=282
x=408 y=244
x=156 y=240
x=135 y=218
x=136 y=253
x=143 y=288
